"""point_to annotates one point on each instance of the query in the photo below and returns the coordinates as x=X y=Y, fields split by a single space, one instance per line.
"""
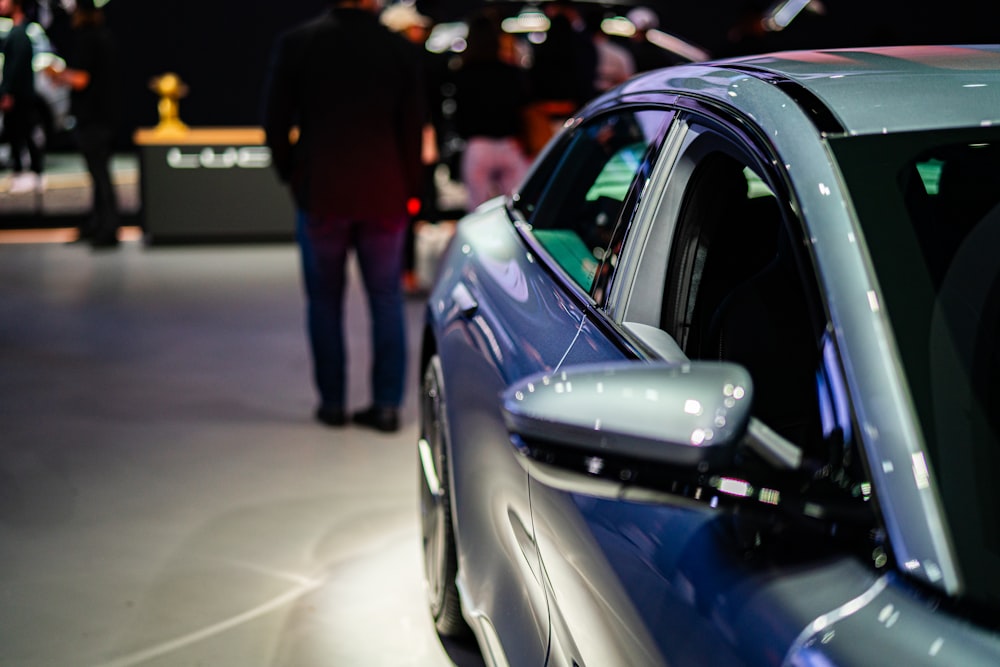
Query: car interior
x=735 y=294
x=575 y=213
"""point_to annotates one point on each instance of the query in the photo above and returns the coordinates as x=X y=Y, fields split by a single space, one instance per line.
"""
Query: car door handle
x=462 y=298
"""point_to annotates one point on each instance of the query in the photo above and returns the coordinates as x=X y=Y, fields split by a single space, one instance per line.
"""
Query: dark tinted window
x=739 y=296
x=929 y=205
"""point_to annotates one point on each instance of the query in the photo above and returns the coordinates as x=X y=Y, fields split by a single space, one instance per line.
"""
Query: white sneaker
x=26 y=182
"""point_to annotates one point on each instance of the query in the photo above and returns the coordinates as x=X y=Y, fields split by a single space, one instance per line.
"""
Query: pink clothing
x=492 y=167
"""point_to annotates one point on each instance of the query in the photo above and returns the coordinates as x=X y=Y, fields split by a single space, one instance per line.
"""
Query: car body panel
x=852 y=82
x=556 y=576
x=480 y=357
x=705 y=585
x=697 y=583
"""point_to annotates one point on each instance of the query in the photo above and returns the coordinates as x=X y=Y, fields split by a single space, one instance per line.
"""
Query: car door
x=521 y=300
x=715 y=269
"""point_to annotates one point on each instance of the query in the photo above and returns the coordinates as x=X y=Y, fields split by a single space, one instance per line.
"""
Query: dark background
x=220 y=48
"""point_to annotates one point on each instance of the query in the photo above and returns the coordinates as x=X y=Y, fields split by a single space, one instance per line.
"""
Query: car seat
x=764 y=324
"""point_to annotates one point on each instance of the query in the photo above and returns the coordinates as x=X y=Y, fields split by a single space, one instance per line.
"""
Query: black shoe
x=378 y=418
x=331 y=416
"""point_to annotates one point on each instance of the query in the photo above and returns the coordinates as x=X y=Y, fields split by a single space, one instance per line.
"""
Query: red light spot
x=413 y=205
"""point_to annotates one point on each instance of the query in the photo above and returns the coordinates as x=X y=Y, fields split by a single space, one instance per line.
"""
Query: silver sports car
x=720 y=384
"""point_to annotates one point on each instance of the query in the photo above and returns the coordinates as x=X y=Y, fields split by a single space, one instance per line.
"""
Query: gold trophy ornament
x=171 y=89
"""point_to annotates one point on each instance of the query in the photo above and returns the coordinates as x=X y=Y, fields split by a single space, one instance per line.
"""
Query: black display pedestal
x=211 y=185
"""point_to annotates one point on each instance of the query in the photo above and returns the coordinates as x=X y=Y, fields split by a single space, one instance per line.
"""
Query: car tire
x=438 y=537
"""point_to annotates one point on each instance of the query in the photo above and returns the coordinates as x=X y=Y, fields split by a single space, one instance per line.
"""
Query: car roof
x=876 y=90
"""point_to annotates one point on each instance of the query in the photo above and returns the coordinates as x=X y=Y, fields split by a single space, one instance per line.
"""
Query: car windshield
x=929 y=207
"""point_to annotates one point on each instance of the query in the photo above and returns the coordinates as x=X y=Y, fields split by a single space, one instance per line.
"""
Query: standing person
x=490 y=97
x=562 y=74
x=17 y=99
x=615 y=63
x=353 y=91
x=92 y=76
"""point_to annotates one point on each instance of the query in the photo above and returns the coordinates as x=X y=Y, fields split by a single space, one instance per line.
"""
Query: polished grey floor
x=165 y=496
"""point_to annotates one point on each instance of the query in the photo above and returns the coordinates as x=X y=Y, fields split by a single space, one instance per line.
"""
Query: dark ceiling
x=220 y=48
x=720 y=25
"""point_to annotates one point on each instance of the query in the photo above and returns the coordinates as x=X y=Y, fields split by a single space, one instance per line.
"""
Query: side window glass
x=574 y=214
x=736 y=291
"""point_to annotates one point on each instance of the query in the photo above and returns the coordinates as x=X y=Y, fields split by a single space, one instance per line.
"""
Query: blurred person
x=351 y=89
x=615 y=63
x=490 y=97
x=403 y=18
x=92 y=75
x=17 y=100
x=562 y=73
x=55 y=19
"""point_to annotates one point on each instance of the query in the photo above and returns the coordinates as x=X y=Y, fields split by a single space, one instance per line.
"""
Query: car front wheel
x=440 y=558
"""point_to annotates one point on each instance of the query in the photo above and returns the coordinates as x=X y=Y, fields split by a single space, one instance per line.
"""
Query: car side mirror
x=692 y=414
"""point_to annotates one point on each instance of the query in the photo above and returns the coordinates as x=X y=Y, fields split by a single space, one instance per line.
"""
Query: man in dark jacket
x=343 y=117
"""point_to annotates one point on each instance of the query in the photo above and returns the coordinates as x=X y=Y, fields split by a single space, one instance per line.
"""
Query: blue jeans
x=324 y=243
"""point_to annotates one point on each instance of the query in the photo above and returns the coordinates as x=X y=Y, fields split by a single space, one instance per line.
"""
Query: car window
x=576 y=197
x=737 y=290
x=929 y=206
